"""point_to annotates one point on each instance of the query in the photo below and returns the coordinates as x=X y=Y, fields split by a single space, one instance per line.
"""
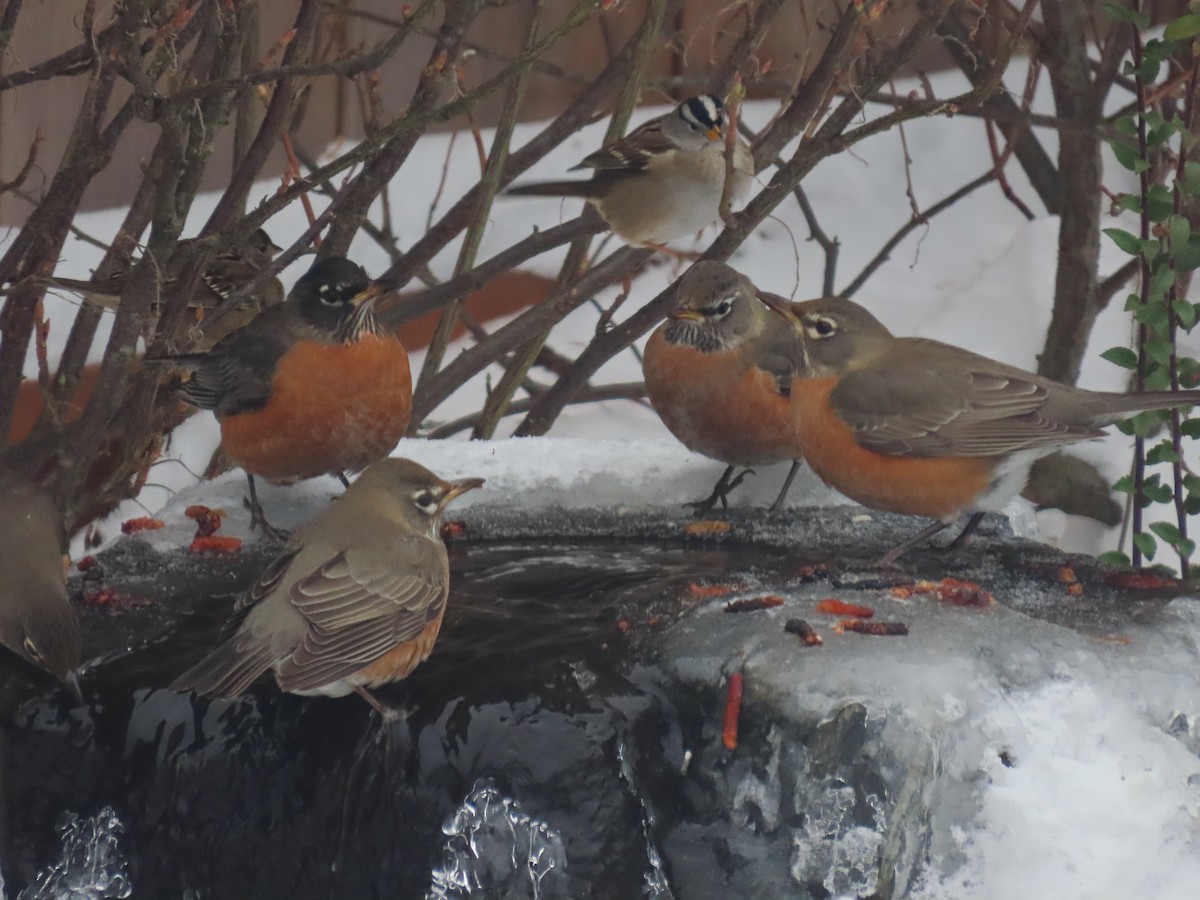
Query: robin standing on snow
x=916 y=426
x=719 y=374
x=313 y=386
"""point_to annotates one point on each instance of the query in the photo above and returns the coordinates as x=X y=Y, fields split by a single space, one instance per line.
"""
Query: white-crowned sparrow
x=663 y=180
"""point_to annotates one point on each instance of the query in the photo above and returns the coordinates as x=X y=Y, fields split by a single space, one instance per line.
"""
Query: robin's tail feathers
x=585 y=189
x=1109 y=408
x=226 y=672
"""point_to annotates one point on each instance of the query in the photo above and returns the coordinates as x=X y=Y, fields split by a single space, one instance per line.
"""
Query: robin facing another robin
x=664 y=179
x=354 y=601
x=36 y=621
x=719 y=374
x=313 y=386
x=220 y=275
x=920 y=427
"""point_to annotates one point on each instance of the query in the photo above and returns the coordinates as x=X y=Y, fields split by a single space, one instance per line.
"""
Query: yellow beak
x=368 y=294
x=783 y=307
x=461 y=487
x=715 y=133
x=688 y=315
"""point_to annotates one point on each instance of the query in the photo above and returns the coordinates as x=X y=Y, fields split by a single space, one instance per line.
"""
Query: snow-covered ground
x=1115 y=797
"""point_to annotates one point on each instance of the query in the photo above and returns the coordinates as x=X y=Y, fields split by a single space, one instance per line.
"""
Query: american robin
x=719 y=374
x=310 y=387
x=916 y=426
x=220 y=275
x=36 y=621
x=355 y=599
x=664 y=179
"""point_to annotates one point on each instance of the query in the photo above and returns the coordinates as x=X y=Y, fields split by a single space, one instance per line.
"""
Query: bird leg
x=787 y=484
x=387 y=713
x=343 y=479
x=677 y=255
x=725 y=484
x=258 y=519
x=888 y=560
x=968 y=530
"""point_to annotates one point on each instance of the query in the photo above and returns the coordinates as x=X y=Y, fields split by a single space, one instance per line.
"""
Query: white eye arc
x=724 y=307
x=821 y=327
x=31 y=648
x=425 y=501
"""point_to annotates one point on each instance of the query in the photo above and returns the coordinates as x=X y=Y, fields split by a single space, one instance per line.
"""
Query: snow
x=1100 y=796
x=1104 y=801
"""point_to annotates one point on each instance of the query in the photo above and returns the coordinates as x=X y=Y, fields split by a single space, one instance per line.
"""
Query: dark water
x=539 y=691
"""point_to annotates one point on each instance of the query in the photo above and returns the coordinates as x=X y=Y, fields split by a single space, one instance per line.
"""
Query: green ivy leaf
x=1158 y=493
x=1130 y=243
x=1121 y=356
x=1185 y=315
x=1191 y=178
x=1191 y=428
x=1146 y=543
x=1161 y=453
x=1129 y=202
x=1153 y=313
x=1187 y=257
x=1159 y=202
x=1159 y=352
x=1183 y=28
x=1162 y=279
x=1179 y=229
x=1115 y=559
x=1170 y=535
x=1124 y=485
x=1158 y=379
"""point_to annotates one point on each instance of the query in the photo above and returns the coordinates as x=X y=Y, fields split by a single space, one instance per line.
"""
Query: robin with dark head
x=220 y=275
x=663 y=180
x=313 y=386
x=719 y=374
x=36 y=621
x=916 y=426
x=354 y=601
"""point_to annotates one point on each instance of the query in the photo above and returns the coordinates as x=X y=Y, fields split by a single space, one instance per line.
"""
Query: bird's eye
x=426 y=502
x=723 y=308
x=822 y=327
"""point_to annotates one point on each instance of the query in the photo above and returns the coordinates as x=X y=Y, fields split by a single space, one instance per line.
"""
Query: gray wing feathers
x=359 y=605
x=910 y=411
x=228 y=670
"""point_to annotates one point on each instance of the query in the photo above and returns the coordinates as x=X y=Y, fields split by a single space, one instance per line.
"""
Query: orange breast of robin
x=331 y=408
x=718 y=406
x=939 y=487
x=398 y=662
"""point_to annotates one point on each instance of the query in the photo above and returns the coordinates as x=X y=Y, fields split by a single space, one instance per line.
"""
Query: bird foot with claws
x=388 y=714
x=720 y=493
x=258 y=521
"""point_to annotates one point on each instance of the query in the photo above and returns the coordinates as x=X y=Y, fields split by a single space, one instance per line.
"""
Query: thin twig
x=633 y=390
x=829 y=246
